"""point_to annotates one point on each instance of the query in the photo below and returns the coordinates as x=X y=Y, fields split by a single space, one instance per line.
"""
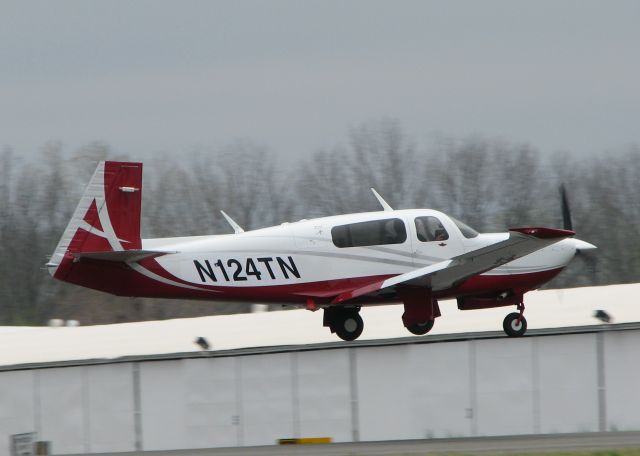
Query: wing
x=445 y=274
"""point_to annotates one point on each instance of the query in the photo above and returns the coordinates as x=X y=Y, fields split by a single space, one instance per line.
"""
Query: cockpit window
x=376 y=232
x=429 y=229
x=465 y=229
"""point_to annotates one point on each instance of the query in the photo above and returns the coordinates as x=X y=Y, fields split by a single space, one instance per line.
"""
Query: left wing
x=443 y=275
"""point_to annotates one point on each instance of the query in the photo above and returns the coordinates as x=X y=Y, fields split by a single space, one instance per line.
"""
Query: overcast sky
x=150 y=76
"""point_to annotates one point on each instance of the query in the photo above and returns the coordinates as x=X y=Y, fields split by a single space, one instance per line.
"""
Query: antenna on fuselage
x=236 y=228
x=381 y=200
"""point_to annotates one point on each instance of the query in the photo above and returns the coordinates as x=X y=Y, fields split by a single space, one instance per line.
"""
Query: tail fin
x=108 y=216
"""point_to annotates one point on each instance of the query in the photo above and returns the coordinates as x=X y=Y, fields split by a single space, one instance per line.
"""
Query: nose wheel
x=514 y=324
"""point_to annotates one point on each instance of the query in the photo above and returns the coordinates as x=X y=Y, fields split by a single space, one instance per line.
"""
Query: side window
x=377 y=232
x=430 y=229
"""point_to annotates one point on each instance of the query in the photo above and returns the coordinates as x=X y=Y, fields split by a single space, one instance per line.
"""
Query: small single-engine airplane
x=337 y=263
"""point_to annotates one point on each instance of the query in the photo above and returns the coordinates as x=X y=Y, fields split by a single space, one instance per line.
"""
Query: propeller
x=566 y=210
x=581 y=246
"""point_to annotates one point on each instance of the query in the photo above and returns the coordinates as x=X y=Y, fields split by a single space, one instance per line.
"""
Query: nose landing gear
x=514 y=324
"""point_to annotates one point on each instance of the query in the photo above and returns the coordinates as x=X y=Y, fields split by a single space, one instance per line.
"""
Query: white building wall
x=384 y=404
x=542 y=384
x=110 y=406
x=438 y=385
x=324 y=406
x=17 y=407
x=622 y=381
x=211 y=402
x=189 y=403
x=62 y=404
x=162 y=399
x=568 y=385
x=503 y=386
x=266 y=413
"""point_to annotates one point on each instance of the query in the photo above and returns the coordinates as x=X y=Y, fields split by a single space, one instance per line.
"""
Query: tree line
x=490 y=184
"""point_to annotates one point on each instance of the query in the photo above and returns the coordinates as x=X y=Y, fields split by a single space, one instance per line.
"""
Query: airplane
x=339 y=264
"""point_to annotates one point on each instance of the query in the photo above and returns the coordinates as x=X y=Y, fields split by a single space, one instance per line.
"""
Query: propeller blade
x=566 y=211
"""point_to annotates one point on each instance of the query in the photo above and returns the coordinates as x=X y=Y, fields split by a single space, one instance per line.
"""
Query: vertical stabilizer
x=108 y=215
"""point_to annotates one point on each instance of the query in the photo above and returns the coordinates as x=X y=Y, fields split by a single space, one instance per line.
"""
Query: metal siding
x=16 y=406
x=384 y=403
x=324 y=396
x=504 y=386
x=542 y=384
x=62 y=411
x=267 y=402
x=210 y=401
x=111 y=409
x=438 y=382
x=163 y=405
x=622 y=380
x=568 y=383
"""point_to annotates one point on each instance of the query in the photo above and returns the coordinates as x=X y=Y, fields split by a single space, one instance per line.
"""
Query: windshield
x=466 y=230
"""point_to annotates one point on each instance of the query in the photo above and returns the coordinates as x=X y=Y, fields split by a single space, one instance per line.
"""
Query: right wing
x=445 y=274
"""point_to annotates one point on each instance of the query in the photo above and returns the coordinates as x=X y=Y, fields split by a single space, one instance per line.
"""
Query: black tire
x=349 y=326
x=420 y=329
x=512 y=327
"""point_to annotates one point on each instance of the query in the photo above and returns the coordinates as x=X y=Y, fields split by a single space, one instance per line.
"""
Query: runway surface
x=469 y=445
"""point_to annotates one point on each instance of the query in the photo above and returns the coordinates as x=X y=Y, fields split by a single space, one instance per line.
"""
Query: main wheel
x=512 y=326
x=420 y=329
x=349 y=325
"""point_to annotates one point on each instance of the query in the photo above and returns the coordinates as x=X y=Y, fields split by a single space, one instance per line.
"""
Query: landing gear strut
x=514 y=324
x=346 y=322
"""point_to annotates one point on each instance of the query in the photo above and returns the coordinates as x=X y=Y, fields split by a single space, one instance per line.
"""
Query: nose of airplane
x=582 y=245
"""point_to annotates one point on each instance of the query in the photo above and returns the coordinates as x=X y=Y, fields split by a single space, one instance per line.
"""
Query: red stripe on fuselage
x=119 y=279
x=480 y=284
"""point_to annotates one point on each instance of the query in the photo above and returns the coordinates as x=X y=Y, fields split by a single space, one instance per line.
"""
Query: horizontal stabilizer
x=120 y=255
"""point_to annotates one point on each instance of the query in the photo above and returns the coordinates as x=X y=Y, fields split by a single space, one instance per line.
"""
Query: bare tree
x=489 y=183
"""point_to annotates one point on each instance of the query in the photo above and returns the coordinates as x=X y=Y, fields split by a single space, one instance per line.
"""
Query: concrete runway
x=469 y=445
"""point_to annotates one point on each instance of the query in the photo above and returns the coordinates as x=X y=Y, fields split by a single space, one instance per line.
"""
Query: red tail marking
x=92 y=217
x=84 y=240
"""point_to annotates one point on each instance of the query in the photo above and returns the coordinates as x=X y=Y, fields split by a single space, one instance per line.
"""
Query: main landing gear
x=420 y=329
x=514 y=324
x=346 y=322
x=420 y=309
